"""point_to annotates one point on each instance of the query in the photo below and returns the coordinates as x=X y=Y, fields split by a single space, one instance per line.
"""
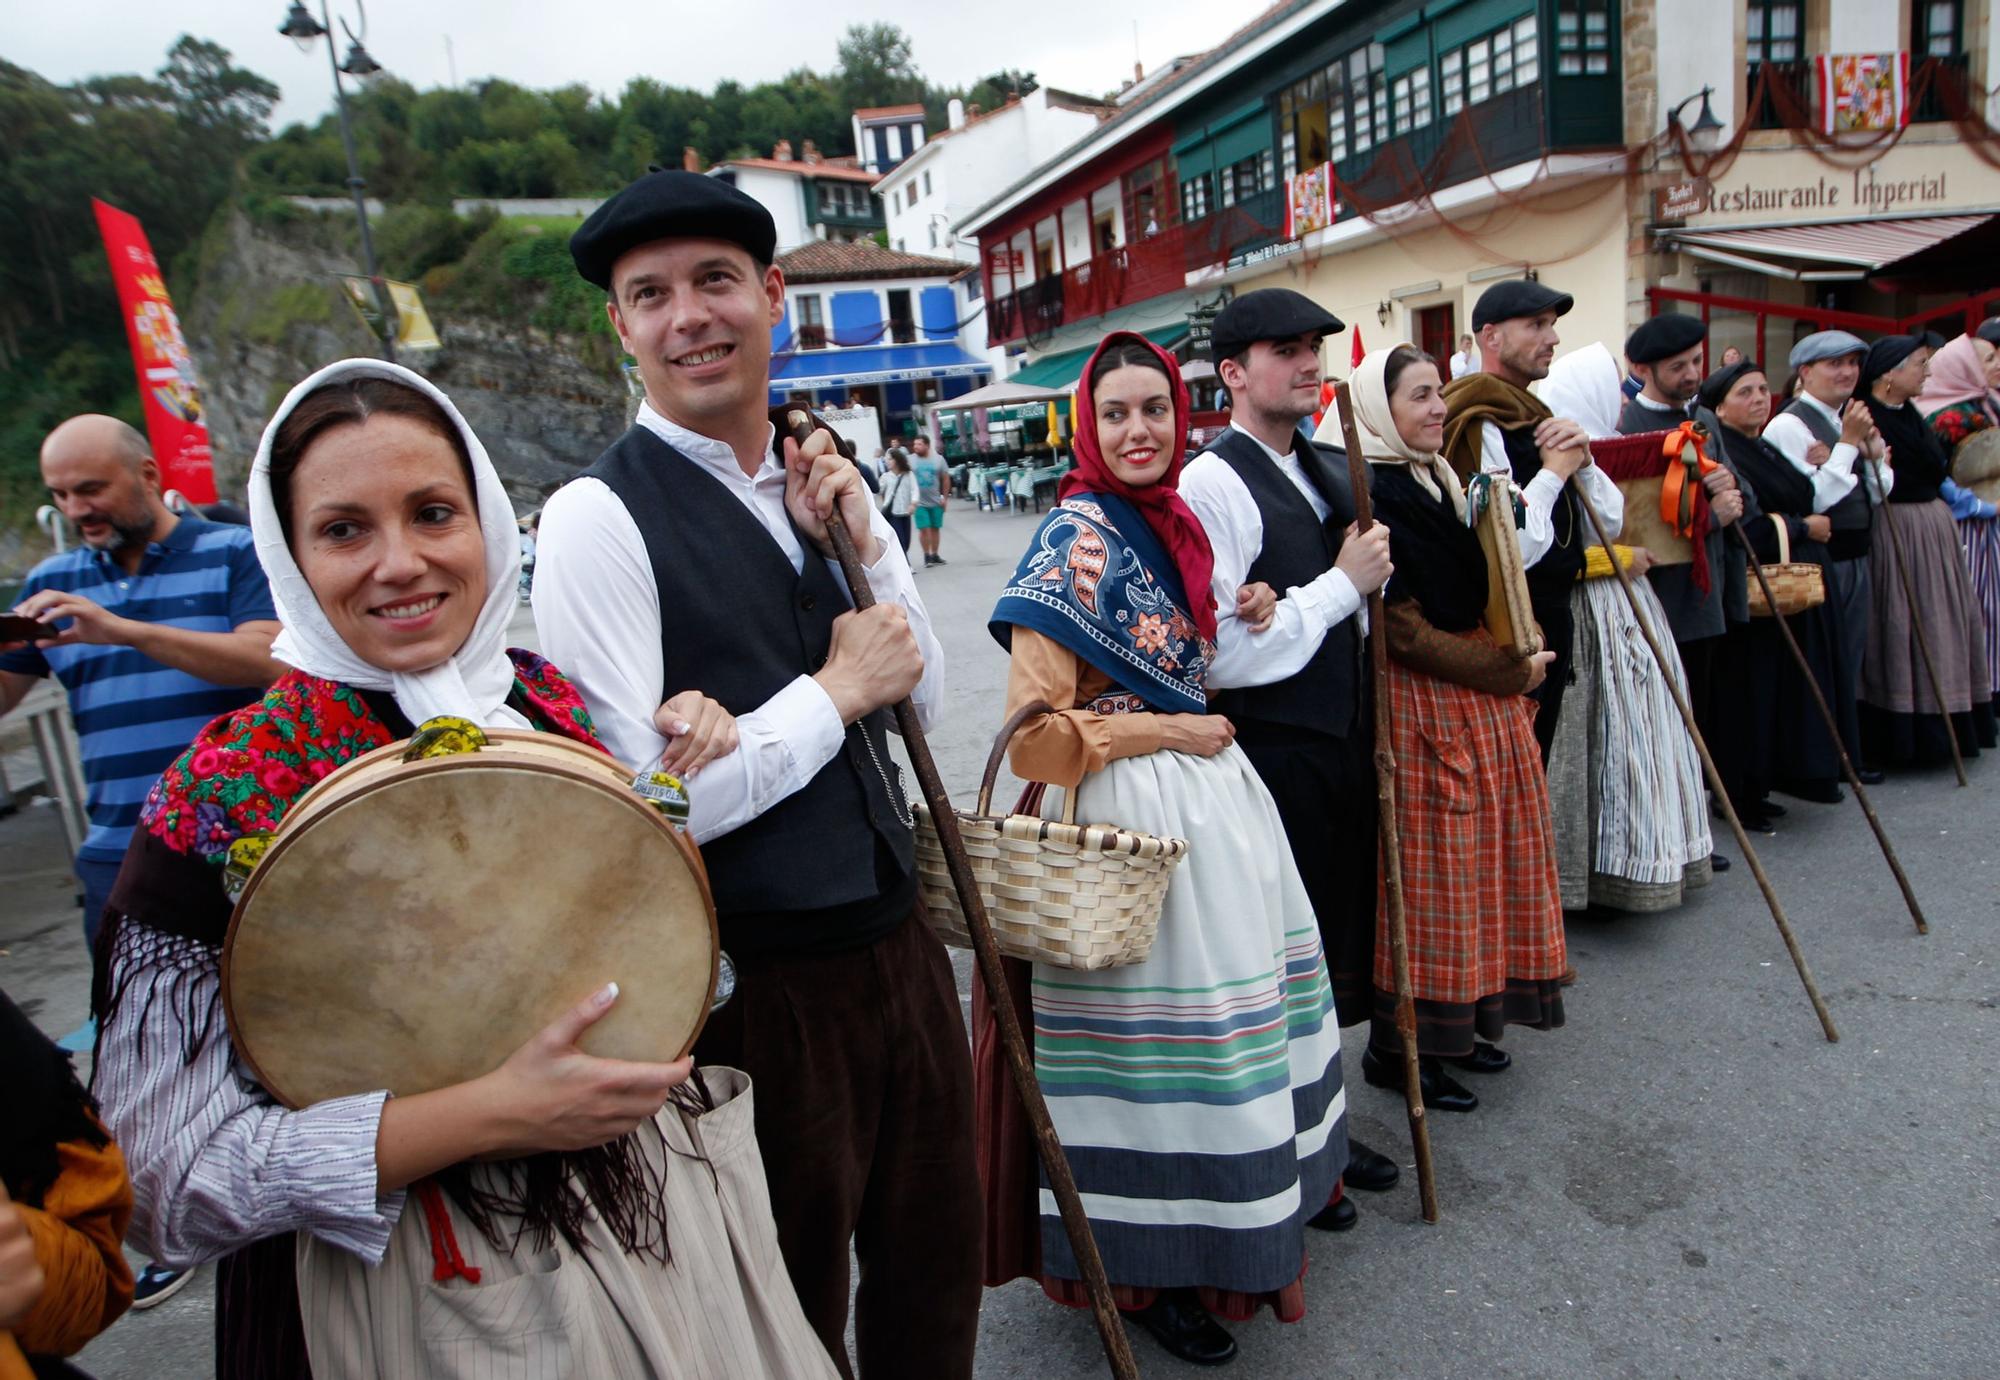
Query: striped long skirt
x=1480 y=897
x=1198 y=1093
x=1982 y=561
x=1900 y=722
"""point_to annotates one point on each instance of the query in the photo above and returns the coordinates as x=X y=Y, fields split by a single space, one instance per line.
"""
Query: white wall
x=779 y=194
x=1867 y=26
x=1697 y=48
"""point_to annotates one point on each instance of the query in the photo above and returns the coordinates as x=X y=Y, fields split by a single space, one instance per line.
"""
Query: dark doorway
x=1437 y=333
x=902 y=326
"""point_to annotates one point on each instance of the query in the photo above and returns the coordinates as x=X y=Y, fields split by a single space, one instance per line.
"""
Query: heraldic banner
x=167 y=383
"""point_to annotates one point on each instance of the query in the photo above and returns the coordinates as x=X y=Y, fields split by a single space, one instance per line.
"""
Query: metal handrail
x=46 y=710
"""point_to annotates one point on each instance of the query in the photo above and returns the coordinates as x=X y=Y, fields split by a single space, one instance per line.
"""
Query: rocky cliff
x=267 y=309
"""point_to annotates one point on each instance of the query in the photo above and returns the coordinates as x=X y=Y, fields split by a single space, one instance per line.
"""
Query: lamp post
x=1706 y=131
x=304 y=30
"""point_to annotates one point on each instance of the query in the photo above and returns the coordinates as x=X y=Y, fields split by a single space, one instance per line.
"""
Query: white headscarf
x=1585 y=387
x=1381 y=442
x=475 y=682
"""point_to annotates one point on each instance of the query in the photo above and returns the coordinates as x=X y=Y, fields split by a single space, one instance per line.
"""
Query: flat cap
x=1989 y=330
x=670 y=205
x=1663 y=337
x=1826 y=345
x=1518 y=297
x=1716 y=386
x=1267 y=314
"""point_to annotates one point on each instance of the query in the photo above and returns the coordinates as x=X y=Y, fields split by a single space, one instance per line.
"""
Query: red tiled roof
x=882 y=111
x=845 y=171
x=824 y=261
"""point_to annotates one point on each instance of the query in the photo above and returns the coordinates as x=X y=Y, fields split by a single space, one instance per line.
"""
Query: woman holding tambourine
x=551 y=1214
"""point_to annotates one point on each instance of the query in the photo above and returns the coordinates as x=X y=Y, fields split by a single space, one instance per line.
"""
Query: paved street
x=1687 y=1180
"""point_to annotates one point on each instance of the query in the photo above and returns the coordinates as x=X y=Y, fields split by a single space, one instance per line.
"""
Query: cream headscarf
x=1381 y=443
x=1585 y=386
x=475 y=682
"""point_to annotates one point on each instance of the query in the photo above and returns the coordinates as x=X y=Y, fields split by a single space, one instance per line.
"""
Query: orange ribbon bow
x=1677 y=495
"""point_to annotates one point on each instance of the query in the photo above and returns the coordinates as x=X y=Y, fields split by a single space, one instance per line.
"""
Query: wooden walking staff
x=1392 y=841
x=1833 y=732
x=1715 y=785
x=1020 y=1061
x=1917 y=626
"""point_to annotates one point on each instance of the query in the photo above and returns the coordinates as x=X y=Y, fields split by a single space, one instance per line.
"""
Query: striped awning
x=1842 y=251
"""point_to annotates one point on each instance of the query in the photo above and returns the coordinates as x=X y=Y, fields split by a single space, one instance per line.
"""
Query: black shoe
x=1440 y=1092
x=1484 y=1058
x=1818 y=792
x=1179 y=1323
x=1369 y=1169
x=1869 y=776
x=1340 y=1215
x=156 y=1284
x=1771 y=809
x=939 y=560
x=1717 y=863
x=1756 y=824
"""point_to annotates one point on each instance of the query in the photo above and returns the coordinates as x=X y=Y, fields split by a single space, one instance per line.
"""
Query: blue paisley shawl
x=1097 y=580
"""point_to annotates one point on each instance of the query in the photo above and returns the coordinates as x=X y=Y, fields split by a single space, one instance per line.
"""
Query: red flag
x=167 y=385
x=1354 y=359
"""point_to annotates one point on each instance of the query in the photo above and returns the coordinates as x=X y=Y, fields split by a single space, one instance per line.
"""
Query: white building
x=810 y=197
x=884 y=135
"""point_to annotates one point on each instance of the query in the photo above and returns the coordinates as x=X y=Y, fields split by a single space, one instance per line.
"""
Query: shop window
x=1583 y=38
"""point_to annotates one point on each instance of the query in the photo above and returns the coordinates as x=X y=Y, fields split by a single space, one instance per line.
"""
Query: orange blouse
x=1063 y=747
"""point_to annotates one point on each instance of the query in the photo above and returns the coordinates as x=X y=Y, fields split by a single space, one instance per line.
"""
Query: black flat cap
x=1518 y=297
x=1716 y=386
x=670 y=205
x=1663 y=337
x=1989 y=330
x=1267 y=314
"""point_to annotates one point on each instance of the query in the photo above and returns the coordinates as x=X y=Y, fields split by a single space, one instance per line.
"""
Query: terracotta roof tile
x=880 y=111
x=824 y=261
x=844 y=171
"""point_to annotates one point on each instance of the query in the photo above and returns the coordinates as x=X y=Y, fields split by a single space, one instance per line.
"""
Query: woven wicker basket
x=1796 y=585
x=1057 y=892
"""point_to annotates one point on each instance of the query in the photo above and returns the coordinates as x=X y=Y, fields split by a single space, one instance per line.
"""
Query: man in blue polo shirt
x=162 y=622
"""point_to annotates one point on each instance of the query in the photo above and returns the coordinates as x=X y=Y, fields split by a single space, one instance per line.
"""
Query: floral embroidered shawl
x=1098 y=581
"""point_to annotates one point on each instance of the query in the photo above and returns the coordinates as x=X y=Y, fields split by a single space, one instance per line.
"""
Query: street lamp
x=1706 y=131
x=304 y=30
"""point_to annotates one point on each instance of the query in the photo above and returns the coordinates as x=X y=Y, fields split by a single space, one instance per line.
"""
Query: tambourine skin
x=413 y=923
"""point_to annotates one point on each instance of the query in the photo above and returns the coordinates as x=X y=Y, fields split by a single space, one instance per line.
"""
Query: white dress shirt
x=597 y=609
x=1836 y=478
x=1235 y=528
x=1540 y=493
x=1463 y=363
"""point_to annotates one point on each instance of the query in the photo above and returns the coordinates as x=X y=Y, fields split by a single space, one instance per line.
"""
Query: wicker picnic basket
x=1796 y=585
x=1057 y=892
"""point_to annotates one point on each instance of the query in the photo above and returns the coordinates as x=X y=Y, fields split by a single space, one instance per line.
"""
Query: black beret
x=1886 y=353
x=1663 y=337
x=1267 y=314
x=670 y=205
x=1716 y=386
x=1518 y=297
x=1989 y=330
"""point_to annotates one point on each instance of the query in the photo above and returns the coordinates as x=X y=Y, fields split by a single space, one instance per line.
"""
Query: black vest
x=1850 y=517
x=1325 y=696
x=830 y=865
x=1550 y=579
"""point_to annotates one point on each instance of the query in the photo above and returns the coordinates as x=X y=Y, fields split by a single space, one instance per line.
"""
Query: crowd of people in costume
x=1187 y=639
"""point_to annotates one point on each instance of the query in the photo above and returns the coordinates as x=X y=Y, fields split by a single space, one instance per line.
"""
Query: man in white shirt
x=1828 y=435
x=1466 y=361
x=694 y=554
x=1278 y=511
x=1498 y=426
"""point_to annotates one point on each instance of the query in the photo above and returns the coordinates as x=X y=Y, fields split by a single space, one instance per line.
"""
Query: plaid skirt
x=1480 y=897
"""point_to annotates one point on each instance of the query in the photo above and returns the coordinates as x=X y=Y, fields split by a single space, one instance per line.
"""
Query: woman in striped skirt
x=1960 y=404
x=1480 y=896
x=1198 y=1093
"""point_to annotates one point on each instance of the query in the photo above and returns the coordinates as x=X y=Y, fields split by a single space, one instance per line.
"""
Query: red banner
x=167 y=383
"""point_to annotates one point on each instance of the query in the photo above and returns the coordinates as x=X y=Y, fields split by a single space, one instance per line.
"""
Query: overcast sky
x=1086 y=47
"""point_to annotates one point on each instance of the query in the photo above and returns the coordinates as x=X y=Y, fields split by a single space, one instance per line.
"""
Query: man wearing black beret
x=1497 y=425
x=694 y=555
x=1279 y=509
x=1728 y=664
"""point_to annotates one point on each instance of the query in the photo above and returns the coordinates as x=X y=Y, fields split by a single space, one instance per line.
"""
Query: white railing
x=46 y=711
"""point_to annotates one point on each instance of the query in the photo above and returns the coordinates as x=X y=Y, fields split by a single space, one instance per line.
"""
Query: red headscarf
x=1160 y=503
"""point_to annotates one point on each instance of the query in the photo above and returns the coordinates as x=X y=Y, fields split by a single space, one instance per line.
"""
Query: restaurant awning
x=1061 y=371
x=1006 y=393
x=941 y=359
x=1841 y=251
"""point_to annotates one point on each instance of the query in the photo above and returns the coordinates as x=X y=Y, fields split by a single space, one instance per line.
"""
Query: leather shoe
x=1369 y=1169
x=1484 y=1058
x=1771 y=809
x=1818 y=792
x=1179 y=1323
x=1339 y=1215
x=1717 y=863
x=1869 y=776
x=1440 y=1092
